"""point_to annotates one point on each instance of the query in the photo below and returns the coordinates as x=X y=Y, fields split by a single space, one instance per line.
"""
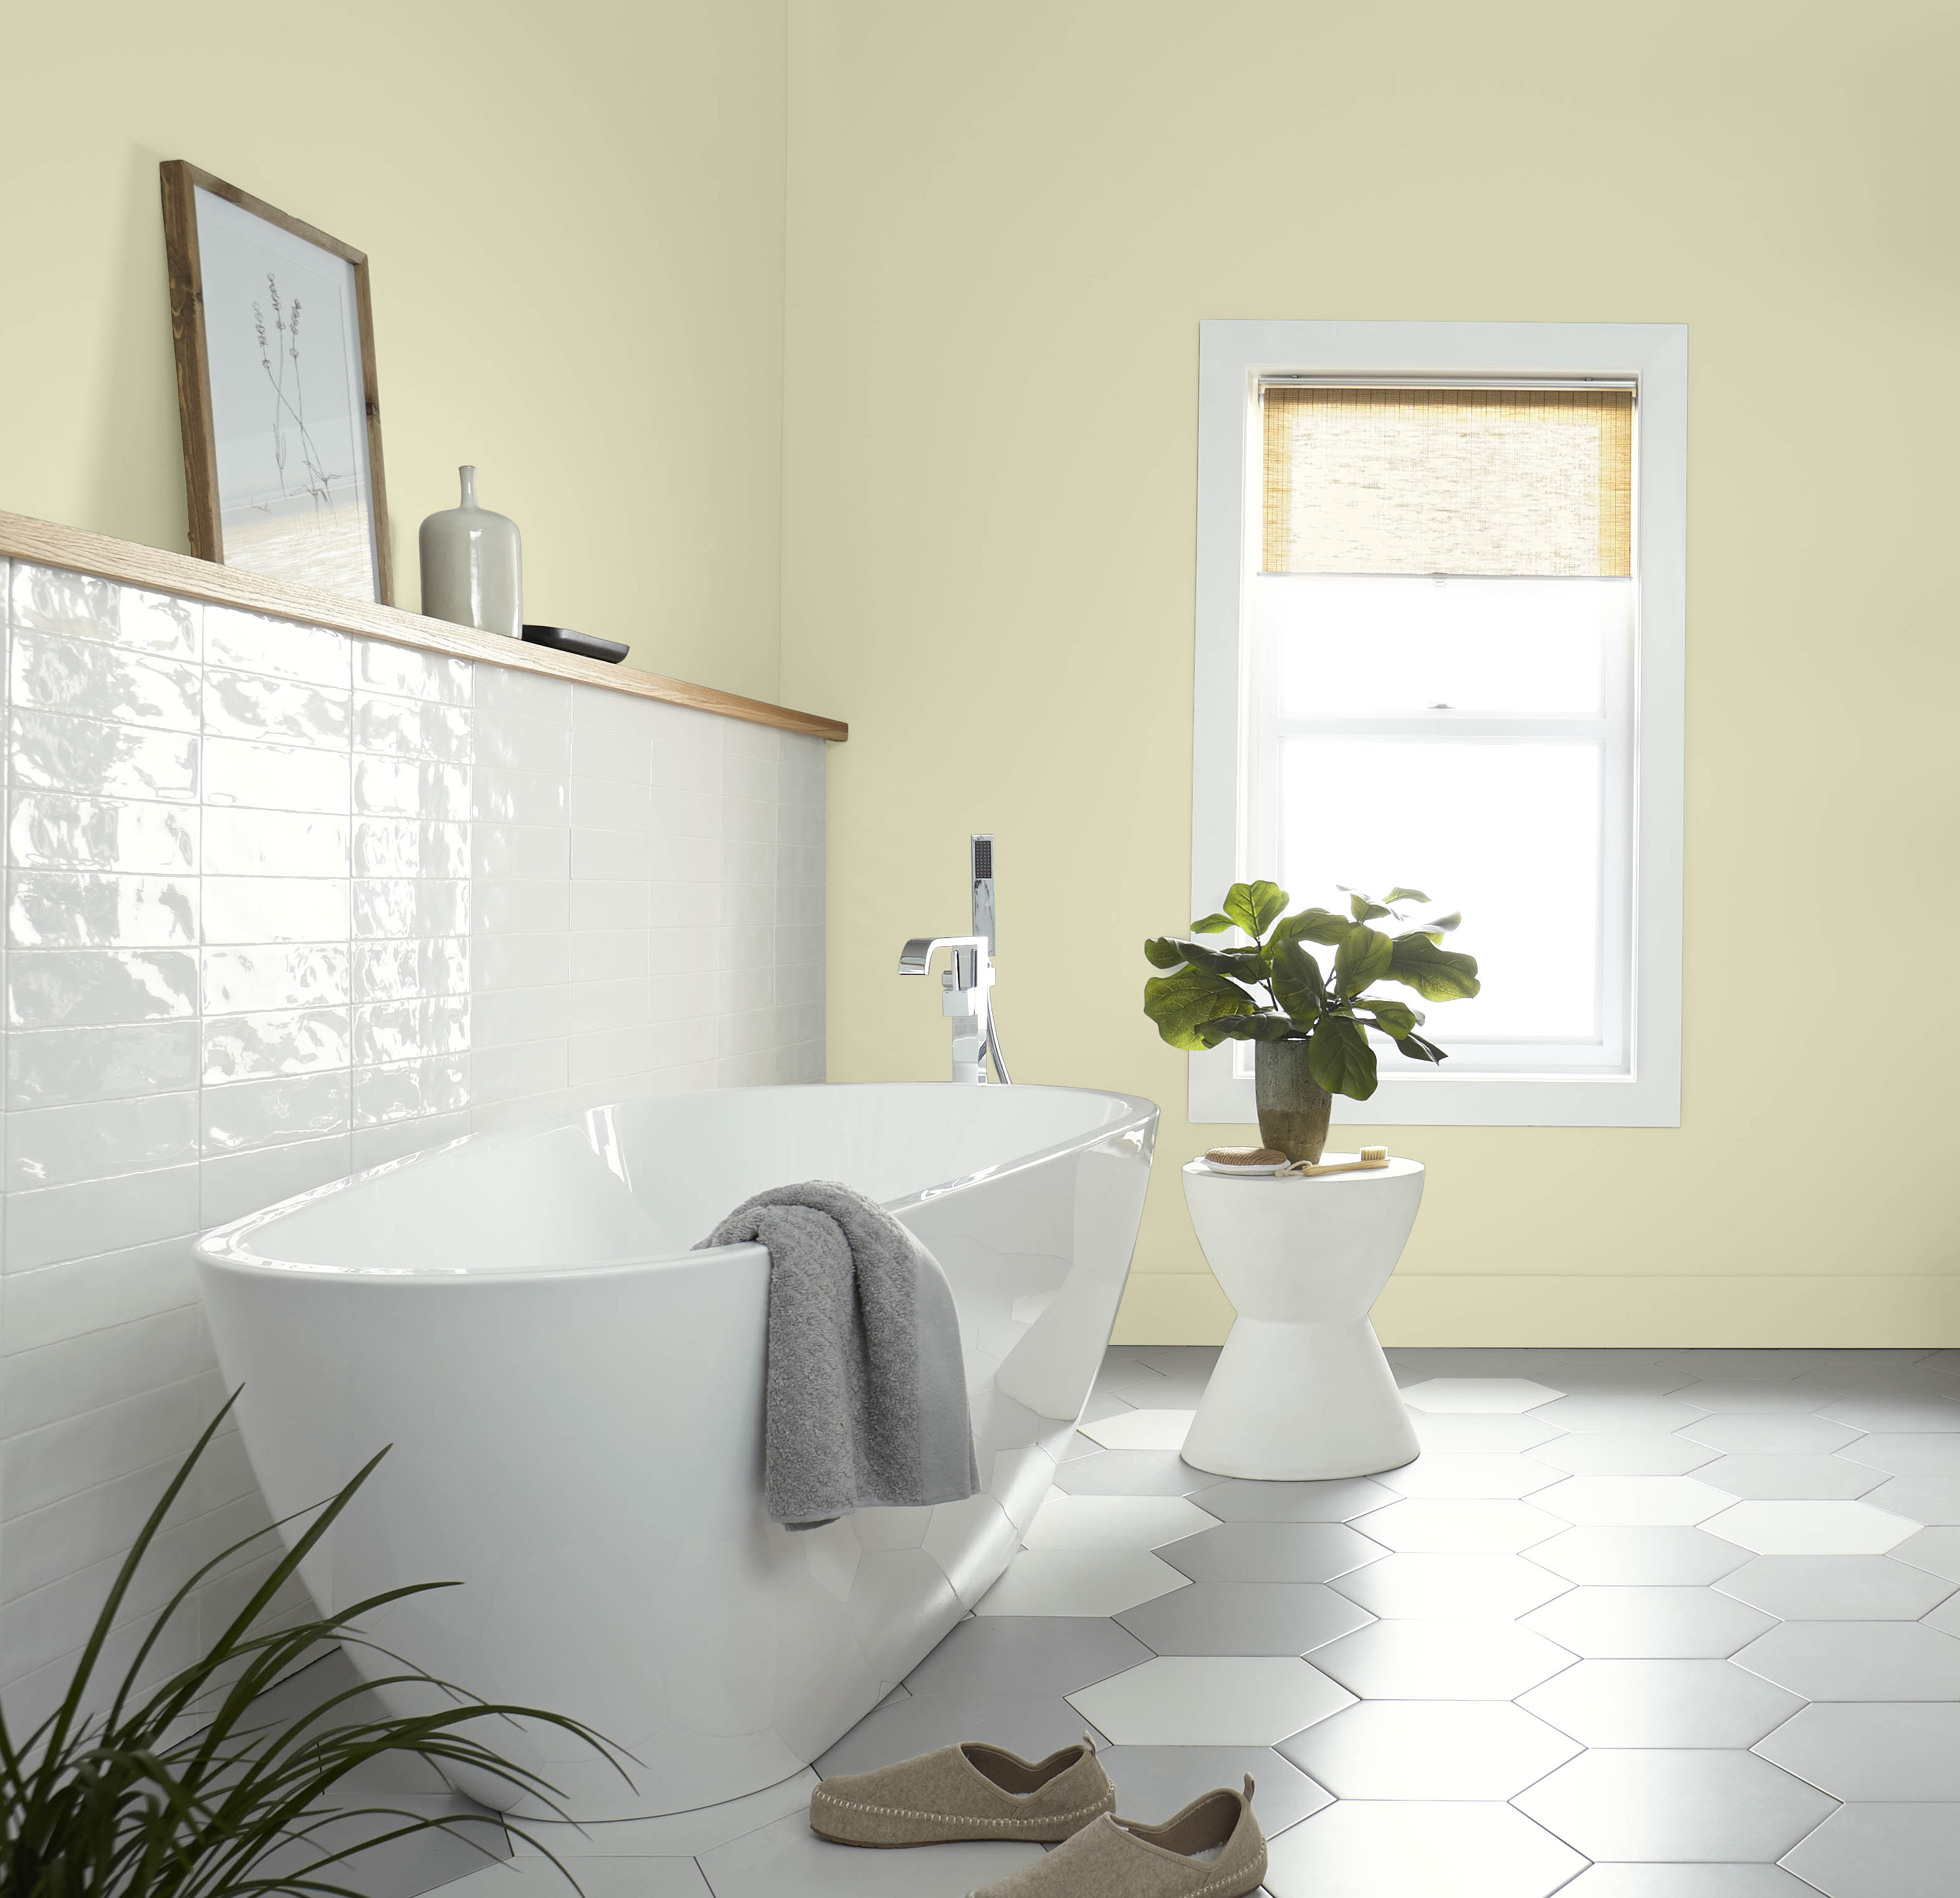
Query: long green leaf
x=1267 y=1027
x=1394 y=1019
x=1177 y=1004
x=1298 y=985
x=1316 y=925
x=1364 y=957
x=1255 y=906
x=1339 y=1058
x=1436 y=974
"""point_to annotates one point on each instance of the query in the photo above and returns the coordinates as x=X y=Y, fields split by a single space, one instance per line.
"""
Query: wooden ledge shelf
x=133 y=564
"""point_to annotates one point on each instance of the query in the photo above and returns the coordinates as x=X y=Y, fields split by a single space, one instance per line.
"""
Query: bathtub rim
x=228 y=1247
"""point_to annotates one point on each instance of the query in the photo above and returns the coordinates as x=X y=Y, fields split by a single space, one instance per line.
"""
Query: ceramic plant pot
x=1294 y=1107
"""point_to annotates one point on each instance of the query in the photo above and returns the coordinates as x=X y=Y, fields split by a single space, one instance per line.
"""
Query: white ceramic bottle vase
x=473 y=566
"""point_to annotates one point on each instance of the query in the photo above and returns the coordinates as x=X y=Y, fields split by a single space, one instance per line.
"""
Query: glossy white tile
x=251 y=642
x=53 y=909
x=51 y=830
x=269 y=777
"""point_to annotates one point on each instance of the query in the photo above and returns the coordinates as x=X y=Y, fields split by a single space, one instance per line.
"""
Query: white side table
x=1302 y=1390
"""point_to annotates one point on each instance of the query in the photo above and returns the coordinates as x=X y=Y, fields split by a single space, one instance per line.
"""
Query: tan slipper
x=968 y=1791
x=1213 y=1848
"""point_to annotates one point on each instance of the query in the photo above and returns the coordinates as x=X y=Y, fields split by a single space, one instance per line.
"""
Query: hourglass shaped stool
x=1302 y=1390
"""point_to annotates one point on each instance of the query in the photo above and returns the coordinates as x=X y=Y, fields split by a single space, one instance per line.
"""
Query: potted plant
x=185 y=1790
x=1309 y=1028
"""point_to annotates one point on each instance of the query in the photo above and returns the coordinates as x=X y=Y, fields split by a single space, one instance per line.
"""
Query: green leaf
x=1394 y=1019
x=1364 y=957
x=1339 y=1058
x=1178 y=1004
x=1398 y=894
x=1254 y=907
x=1246 y=965
x=1260 y=1027
x=1365 y=909
x=1449 y=922
x=1210 y=926
x=1437 y=975
x=1316 y=925
x=1298 y=985
x=1418 y=1049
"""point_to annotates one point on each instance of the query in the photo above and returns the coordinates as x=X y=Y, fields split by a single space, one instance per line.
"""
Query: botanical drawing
x=289 y=407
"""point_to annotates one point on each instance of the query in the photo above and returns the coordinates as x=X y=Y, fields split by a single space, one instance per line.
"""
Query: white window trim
x=1233 y=357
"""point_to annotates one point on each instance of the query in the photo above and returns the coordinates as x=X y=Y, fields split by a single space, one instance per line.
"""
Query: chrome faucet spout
x=964 y=1001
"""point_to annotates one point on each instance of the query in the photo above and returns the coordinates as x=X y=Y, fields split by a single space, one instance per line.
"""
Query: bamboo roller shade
x=1469 y=481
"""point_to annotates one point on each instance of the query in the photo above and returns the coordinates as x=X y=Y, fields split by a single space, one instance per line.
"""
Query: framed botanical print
x=274 y=339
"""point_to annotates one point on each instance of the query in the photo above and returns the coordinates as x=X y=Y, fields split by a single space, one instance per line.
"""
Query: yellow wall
x=1005 y=224
x=574 y=215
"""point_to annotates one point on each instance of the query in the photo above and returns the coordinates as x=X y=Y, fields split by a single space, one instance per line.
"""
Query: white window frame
x=1234 y=357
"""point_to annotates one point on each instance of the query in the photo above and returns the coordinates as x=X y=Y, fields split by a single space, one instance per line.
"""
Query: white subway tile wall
x=281 y=904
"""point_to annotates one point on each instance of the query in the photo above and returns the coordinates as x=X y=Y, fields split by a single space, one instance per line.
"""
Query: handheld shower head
x=980 y=863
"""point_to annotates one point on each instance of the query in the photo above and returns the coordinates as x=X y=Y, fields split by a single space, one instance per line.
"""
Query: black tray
x=588 y=646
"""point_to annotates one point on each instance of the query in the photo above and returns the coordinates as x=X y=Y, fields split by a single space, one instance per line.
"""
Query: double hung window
x=1440 y=644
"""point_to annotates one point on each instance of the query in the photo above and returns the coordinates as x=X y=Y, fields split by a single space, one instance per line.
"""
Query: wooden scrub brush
x=1371 y=1158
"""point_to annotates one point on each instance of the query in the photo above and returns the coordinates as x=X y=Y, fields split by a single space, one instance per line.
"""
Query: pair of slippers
x=1213 y=1848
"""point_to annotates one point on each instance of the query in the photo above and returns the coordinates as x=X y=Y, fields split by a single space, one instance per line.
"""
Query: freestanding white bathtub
x=575 y=1398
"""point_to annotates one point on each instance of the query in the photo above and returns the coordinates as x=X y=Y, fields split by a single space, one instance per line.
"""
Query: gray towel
x=865 y=1404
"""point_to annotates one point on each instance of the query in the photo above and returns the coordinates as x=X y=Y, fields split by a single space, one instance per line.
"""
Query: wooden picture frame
x=266 y=489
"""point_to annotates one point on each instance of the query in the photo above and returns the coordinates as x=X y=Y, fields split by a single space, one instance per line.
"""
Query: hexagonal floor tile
x=1079 y=1581
x=1921 y=1453
x=1945 y=1617
x=1661 y=1703
x=1623 y=1453
x=1634 y=1557
x=1836 y=1587
x=1237 y=1499
x=1632 y=1502
x=1759 y=1434
x=1271 y=1551
x=1857 y=1661
x=1165 y=1779
x=1026 y=1654
x=1429 y=1749
x=1751 y=1362
x=1141 y=1429
x=1064 y=1521
x=1901 y=1851
x=1602 y=1411
x=1687 y=1881
x=1469 y=1472
x=1451 y=1587
x=1186 y=1700
x=1441 y=1660
x=1244 y=1618
x=1130 y=1472
x=1789 y=1477
x=1810 y=1528
x=1477 y=1394
x=1754 y=1395
x=1934 y=1500
x=1686 y=1804
x=1491 y=1430
x=1648 y=1624
x=1439 y=1525
x=1873 y=1749
x=1418 y=1848
x=1905 y=1413
x=1936 y=1550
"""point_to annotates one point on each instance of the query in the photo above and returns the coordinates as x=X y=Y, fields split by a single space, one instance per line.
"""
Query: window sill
x=1461 y=1101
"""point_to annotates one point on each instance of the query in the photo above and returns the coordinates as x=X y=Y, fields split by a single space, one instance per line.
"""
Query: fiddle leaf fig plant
x=1278 y=990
